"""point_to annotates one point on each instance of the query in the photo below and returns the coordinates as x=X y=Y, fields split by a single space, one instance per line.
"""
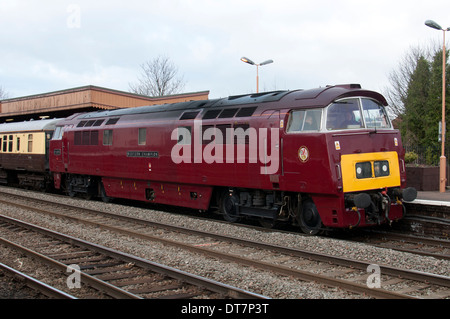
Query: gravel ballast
x=262 y=282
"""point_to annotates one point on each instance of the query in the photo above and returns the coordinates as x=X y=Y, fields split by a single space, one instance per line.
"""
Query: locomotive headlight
x=363 y=170
x=381 y=168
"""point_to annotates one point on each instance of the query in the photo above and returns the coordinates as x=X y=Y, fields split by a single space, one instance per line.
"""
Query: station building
x=60 y=104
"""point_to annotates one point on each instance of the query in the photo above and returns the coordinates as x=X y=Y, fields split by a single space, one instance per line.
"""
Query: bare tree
x=158 y=77
x=400 y=77
x=3 y=94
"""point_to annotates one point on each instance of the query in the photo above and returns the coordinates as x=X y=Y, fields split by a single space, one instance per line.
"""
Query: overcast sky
x=50 y=45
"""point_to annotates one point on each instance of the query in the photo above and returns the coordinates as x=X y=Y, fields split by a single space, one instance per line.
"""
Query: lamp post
x=247 y=60
x=443 y=161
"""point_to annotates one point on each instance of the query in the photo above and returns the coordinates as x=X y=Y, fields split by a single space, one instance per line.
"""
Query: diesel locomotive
x=320 y=158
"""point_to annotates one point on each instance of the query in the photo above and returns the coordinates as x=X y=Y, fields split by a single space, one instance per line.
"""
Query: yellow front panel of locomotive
x=353 y=184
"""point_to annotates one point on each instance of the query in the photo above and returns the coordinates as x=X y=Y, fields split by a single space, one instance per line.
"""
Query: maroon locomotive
x=320 y=158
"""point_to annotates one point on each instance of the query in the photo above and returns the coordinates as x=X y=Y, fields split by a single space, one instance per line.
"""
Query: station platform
x=434 y=195
x=433 y=198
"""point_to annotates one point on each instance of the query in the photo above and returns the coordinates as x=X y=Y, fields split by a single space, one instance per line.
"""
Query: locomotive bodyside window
x=142 y=138
x=107 y=137
x=305 y=120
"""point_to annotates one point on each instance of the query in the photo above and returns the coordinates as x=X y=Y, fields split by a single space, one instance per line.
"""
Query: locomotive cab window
x=342 y=115
x=305 y=120
x=375 y=114
x=356 y=113
x=58 y=133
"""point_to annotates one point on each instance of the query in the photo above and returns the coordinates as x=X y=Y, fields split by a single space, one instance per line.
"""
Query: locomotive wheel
x=70 y=190
x=229 y=207
x=309 y=218
x=103 y=196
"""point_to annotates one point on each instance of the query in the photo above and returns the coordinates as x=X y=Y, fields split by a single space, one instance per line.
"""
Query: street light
x=443 y=161
x=247 y=60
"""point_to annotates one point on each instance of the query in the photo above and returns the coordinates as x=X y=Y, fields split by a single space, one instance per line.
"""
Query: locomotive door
x=270 y=148
x=65 y=153
x=56 y=152
x=304 y=151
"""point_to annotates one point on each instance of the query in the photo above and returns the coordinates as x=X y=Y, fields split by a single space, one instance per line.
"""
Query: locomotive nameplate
x=142 y=154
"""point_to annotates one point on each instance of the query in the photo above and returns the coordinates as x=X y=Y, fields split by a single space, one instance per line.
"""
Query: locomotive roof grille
x=224 y=102
x=189 y=115
x=227 y=113
x=319 y=97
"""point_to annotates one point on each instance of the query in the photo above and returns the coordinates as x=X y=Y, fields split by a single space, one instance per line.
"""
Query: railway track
x=425 y=246
x=35 y=284
x=426 y=218
x=350 y=275
x=114 y=273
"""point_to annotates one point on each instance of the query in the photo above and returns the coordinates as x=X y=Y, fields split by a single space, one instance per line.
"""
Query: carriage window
x=374 y=114
x=30 y=143
x=10 y=144
x=5 y=143
x=305 y=120
x=18 y=144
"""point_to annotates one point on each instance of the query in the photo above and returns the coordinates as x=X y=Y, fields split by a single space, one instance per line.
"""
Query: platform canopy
x=82 y=99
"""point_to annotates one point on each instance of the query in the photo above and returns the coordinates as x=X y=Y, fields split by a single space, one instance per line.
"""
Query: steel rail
x=302 y=275
x=385 y=269
x=111 y=290
x=224 y=289
x=37 y=285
